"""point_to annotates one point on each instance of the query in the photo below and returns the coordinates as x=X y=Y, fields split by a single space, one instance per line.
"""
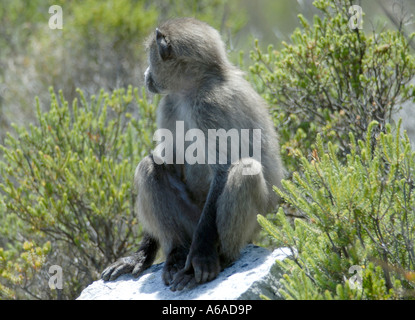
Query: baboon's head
x=182 y=53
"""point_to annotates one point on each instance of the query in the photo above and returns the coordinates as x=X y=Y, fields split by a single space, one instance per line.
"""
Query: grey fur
x=205 y=212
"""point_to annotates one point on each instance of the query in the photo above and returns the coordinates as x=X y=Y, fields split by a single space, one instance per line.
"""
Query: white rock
x=255 y=273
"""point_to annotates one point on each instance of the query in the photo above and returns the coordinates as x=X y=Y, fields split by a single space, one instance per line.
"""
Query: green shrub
x=332 y=80
x=21 y=270
x=67 y=181
x=356 y=214
x=123 y=20
x=224 y=15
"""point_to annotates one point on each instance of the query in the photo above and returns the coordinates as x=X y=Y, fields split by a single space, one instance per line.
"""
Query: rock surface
x=255 y=273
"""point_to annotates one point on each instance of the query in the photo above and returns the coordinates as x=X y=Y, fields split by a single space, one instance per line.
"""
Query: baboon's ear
x=163 y=46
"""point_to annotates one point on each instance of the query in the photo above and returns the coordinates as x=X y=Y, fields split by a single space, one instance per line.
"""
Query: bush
x=332 y=80
x=355 y=200
x=67 y=190
x=358 y=214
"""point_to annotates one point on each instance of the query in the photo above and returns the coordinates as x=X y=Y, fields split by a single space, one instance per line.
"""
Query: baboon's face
x=162 y=75
x=154 y=74
x=150 y=84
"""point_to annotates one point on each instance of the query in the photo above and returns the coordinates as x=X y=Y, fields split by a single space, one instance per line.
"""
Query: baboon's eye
x=163 y=46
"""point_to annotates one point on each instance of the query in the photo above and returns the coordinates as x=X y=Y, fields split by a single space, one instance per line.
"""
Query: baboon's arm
x=203 y=257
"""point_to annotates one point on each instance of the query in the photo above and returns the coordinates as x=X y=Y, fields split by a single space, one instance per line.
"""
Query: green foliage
x=68 y=182
x=218 y=13
x=332 y=80
x=21 y=270
x=356 y=199
x=356 y=214
x=100 y=46
x=122 y=20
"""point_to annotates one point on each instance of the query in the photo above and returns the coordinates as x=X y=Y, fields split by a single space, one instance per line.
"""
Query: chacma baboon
x=200 y=214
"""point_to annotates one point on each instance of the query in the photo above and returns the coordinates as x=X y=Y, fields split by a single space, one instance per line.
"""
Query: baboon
x=200 y=214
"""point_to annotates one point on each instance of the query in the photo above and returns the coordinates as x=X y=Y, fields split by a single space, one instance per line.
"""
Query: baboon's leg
x=166 y=212
x=242 y=199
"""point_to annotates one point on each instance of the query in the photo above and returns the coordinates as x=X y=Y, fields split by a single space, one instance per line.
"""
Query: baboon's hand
x=206 y=266
x=202 y=265
x=133 y=264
